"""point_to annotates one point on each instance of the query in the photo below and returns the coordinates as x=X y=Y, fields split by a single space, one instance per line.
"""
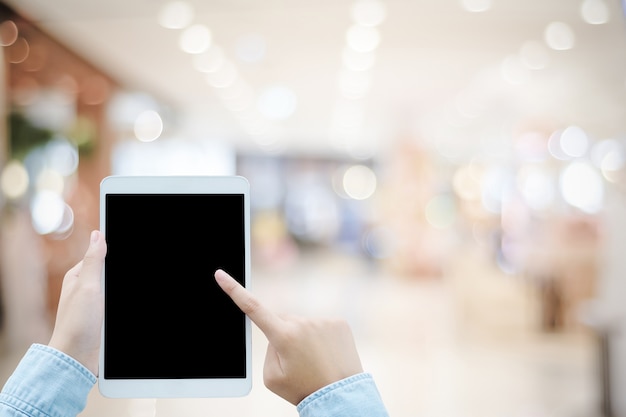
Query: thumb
x=93 y=260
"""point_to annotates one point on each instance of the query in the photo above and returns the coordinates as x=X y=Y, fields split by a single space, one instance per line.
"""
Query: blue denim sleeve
x=46 y=383
x=353 y=396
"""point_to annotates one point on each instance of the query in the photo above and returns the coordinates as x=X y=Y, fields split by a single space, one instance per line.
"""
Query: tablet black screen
x=165 y=316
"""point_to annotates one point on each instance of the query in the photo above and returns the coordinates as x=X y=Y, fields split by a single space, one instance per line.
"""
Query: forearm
x=353 y=396
x=46 y=382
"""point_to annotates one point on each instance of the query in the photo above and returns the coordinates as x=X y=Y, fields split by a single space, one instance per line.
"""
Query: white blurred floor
x=466 y=345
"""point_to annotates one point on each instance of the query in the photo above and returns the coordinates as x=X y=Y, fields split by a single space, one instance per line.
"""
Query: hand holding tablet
x=79 y=315
x=168 y=330
x=303 y=355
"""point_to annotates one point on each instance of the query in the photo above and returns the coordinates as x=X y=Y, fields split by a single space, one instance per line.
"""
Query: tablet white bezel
x=179 y=388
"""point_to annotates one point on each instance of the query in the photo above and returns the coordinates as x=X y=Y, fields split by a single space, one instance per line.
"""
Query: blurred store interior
x=447 y=175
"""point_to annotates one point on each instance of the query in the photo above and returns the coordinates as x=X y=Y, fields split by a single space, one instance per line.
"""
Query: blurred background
x=447 y=175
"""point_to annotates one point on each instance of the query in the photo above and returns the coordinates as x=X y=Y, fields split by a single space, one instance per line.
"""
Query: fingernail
x=220 y=275
x=94 y=236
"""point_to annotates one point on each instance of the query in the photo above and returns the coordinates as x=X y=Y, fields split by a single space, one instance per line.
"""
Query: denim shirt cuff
x=352 y=396
x=47 y=382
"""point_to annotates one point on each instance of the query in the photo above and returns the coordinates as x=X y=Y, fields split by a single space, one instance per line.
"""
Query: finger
x=93 y=261
x=265 y=319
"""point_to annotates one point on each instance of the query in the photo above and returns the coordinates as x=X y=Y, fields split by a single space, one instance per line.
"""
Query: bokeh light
x=594 y=12
x=148 y=126
x=62 y=156
x=176 y=15
x=582 y=187
x=195 y=39
x=8 y=33
x=537 y=186
x=359 y=182
x=441 y=211
x=369 y=12
x=14 y=180
x=574 y=141
x=47 y=211
x=50 y=180
x=559 y=36
x=476 y=6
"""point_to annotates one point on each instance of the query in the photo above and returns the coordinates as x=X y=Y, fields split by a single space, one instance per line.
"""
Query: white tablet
x=169 y=330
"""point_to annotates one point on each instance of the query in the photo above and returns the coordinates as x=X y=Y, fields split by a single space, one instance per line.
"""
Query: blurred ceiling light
x=441 y=211
x=369 y=12
x=14 y=180
x=574 y=141
x=277 y=102
x=559 y=36
x=148 y=126
x=195 y=39
x=251 y=48
x=359 y=182
x=176 y=15
x=50 y=180
x=225 y=76
x=555 y=148
x=8 y=33
x=210 y=60
x=534 y=55
x=47 y=211
x=363 y=38
x=513 y=71
x=594 y=12
x=358 y=61
x=476 y=6
x=582 y=187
